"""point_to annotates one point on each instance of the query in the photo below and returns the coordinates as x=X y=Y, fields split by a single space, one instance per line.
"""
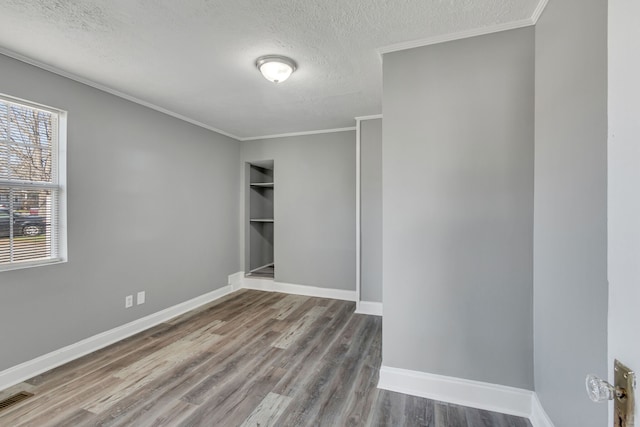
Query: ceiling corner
x=538 y=11
x=527 y=22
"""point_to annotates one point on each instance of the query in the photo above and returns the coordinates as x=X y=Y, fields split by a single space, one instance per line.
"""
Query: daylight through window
x=30 y=184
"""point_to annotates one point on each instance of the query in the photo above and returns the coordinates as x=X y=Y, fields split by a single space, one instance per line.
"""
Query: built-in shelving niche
x=260 y=221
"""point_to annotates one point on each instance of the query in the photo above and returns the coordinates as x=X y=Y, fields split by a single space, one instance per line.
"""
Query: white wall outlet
x=128 y=301
x=141 y=298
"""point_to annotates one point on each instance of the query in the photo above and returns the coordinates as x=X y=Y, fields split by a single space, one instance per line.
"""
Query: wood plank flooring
x=252 y=359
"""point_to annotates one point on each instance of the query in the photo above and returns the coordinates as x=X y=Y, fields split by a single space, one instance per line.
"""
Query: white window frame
x=59 y=183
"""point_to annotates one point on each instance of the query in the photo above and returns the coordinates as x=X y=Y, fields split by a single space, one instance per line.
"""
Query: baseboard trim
x=476 y=394
x=539 y=417
x=369 y=307
x=44 y=363
x=24 y=371
x=235 y=280
x=288 y=288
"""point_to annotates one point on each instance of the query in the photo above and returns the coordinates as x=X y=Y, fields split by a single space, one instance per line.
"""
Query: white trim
x=58 y=220
x=258 y=284
x=235 y=280
x=62 y=183
x=309 y=132
x=476 y=394
x=19 y=373
x=539 y=417
x=20 y=265
x=270 y=285
x=372 y=117
x=107 y=89
x=74 y=77
x=358 y=215
x=369 y=307
x=538 y=12
x=31 y=104
x=456 y=36
x=31 y=368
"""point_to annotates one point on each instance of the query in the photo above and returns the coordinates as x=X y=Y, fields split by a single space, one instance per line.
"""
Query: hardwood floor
x=252 y=359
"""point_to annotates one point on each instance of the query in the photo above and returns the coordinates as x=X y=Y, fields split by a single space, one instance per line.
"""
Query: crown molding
x=74 y=77
x=456 y=36
x=538 y=11
x=542 y=4
x=371 y=117
x=309 y=132
x=383 y=50
x=107 y=89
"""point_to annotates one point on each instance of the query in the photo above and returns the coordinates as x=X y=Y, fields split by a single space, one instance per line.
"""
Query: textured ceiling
x=196 y=57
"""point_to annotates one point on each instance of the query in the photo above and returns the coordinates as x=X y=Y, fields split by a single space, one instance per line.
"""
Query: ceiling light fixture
x=276 y=68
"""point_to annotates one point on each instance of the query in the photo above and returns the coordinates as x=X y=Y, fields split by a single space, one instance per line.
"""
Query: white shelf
x=261 y=220
x=262 y=268
x=262 y=184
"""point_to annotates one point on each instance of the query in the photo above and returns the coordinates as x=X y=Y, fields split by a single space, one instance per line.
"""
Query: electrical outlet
x=141 y=297
x=128 y=301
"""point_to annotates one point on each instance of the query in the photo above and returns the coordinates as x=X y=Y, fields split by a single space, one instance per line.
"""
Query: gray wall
x=371 y=210
x=152 y=205
x=458 y=208
x=570 y=246
x=314 y=207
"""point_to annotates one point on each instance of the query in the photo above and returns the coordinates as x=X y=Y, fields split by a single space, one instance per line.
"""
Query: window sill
x=31 y=264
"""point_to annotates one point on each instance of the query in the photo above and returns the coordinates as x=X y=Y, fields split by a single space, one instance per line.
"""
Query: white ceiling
x=196 y=58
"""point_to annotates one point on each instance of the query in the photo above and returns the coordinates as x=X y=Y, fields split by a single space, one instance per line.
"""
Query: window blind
x=29 y=184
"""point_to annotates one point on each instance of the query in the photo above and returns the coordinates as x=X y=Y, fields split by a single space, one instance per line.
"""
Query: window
x=32 y=178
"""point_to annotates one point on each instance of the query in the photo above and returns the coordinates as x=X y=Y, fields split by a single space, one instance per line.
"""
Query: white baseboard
x=31 y=368
x=288 y=288
x=370 y=308
x=476 y=394
x=539 y=417
x=24 y=371
x=235 y=280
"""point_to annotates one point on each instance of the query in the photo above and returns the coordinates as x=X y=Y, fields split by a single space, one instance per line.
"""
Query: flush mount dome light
x=275 y=68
